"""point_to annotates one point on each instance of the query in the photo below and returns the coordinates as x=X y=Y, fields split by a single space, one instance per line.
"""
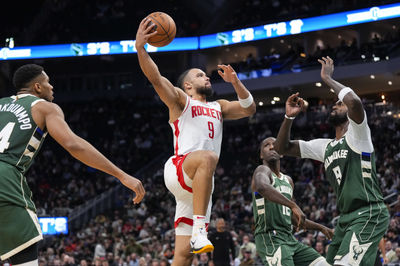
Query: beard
x=337 y=119
x=206 y=91
x=272 y=160
x=273 y=157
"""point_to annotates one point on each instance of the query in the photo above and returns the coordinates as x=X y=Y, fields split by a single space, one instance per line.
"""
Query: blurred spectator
x=390 y=253
x=247 y=259
x=224 y=250
x=247 y=245
x=397 y=259
x=100 y=250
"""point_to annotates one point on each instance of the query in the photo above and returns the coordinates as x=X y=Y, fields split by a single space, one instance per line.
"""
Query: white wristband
x=289 y=117
x=245 y=103
x=343 y=93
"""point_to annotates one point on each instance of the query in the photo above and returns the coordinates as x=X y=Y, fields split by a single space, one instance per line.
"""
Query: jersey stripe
x=22 y=190
x=176 y=134
x=22 y=155
x=187 y=104
x=178 y=162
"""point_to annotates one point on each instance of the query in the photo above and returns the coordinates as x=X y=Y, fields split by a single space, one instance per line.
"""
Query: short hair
x=261 y=143
x=181 y=79
x=26 y=74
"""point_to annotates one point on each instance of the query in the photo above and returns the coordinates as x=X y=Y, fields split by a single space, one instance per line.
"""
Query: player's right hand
x=144 y=32
x=385 y=259
x=135 y=185
x=328 y=232
x=294 y=105
x=299 y=217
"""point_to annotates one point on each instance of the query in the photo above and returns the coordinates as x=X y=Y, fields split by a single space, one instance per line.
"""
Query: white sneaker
x=199 y=243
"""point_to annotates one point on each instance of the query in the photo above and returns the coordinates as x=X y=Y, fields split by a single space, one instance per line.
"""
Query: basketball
x=165 y=27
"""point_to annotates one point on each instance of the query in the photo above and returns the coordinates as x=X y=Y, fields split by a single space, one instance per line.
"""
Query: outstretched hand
x=135 y=185
x=144 y=32
x=294 y=105
x=327 y=67
x=228 y=73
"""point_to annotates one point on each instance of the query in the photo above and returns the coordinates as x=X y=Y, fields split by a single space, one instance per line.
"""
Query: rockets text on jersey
x=198 y=128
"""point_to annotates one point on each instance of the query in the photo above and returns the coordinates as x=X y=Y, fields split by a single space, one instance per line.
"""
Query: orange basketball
x=165 y=27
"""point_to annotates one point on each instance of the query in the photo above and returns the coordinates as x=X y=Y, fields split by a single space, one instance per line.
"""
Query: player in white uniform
x=197 y=128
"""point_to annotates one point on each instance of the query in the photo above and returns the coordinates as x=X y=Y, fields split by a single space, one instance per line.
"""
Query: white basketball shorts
x=180 y=185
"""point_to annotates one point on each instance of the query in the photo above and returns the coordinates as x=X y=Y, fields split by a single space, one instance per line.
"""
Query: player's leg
x=199 y=166
x=183 y=229
x=360 y=244
x=182 y=255
x=335 y=243
x=180 y=185
x=26 y=257
x=273 y=251
x=307 y=256
x=19 y=231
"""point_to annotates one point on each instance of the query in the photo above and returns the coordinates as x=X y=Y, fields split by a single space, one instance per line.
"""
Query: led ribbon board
x=273 y=30
x=297 y=26
x=54 y=225
x=92 y=48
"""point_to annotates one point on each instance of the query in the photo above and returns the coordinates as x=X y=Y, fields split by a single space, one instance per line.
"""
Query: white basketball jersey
x=198 y=128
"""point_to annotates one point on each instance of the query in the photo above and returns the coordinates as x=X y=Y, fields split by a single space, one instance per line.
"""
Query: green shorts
x=19 y=228
x=358 y=234
x=283 y=249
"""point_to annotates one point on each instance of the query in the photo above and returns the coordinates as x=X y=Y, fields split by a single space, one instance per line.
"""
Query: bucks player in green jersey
x=25 y=120
x=274 y=211
x=349 y=161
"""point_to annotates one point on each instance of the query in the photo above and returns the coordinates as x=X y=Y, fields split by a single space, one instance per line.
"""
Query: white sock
x=199 y=224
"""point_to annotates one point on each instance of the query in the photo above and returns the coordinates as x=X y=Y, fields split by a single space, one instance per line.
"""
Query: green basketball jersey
x=352 y=175
x=20 y=141
x=269 y=216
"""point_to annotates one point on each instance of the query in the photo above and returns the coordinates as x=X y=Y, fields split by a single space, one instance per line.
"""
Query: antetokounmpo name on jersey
x=285 y=189
x=206 y=111
x=340 y=154
x=20 y=112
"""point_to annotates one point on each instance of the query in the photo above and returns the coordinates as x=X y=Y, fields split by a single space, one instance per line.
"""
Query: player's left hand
x=228 y=73
x=328 y=232
x=327 y=67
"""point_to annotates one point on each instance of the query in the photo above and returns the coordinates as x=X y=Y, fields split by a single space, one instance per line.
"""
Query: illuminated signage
x=54 y=225
x=92 y=48
x=297 y=26
x=272 y=30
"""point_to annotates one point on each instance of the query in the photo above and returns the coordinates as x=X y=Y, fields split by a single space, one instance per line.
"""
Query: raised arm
x=262 y=184
x=50 y=116
x=236 y=109
x=173 y=97
x=283 y=145
x=345 y=94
